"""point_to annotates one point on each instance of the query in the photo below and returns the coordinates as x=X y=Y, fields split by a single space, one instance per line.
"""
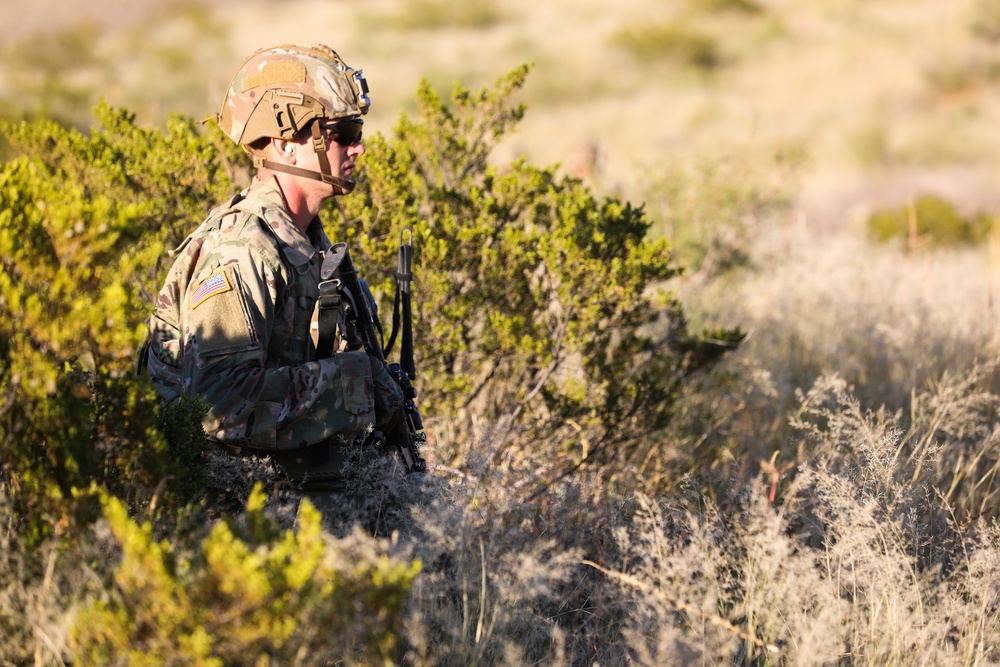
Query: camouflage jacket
x=232 y=325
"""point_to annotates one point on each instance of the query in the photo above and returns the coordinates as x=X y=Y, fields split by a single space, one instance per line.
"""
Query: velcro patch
x=215 y=284
x=281 y=71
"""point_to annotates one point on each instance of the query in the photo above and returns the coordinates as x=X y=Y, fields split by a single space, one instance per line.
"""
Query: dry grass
x=858 y=558
x=885 y=320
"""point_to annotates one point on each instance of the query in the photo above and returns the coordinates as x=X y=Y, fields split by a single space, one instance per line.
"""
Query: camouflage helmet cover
x=279 y=90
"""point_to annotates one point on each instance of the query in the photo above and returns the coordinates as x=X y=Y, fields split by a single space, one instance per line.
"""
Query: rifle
x=361 y=309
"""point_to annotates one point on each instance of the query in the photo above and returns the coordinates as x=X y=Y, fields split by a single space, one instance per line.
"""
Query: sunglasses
x=345 y=132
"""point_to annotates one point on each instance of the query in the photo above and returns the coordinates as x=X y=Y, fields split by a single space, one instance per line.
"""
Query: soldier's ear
x=284 y=149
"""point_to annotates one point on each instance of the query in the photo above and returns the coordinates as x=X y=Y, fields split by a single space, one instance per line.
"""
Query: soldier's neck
x=304 y=203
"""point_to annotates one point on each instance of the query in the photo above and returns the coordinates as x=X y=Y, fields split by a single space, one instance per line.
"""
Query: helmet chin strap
x=343 y=186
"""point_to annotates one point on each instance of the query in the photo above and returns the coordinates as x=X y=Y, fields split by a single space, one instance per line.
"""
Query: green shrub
x=669 y=42
x=931 y=219
x=84 y=221
x=533 y=297
x=985 y=20
x=250 y=594
x=442 y=14
x=737 y=6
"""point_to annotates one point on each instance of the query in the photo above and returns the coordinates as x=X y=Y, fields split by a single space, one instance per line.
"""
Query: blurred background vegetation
x=884 y=101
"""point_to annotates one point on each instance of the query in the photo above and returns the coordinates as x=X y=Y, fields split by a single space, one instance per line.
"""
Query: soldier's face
x=343 y=148
x=343 y=156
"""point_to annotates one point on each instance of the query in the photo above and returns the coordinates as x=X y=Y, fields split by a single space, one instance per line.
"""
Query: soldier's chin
x=342 y=185
x=345 y=186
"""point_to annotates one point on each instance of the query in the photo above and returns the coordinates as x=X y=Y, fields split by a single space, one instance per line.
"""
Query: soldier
x=232 y=322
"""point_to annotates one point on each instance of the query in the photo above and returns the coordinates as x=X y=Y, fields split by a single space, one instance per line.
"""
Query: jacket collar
x=264 y=199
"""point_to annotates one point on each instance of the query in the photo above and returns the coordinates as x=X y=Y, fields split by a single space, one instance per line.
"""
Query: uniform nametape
x=217 y=283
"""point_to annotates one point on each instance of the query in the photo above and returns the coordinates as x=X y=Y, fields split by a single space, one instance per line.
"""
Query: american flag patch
x=217 y=283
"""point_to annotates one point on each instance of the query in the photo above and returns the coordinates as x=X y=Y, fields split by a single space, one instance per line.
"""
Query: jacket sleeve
x=228 y=316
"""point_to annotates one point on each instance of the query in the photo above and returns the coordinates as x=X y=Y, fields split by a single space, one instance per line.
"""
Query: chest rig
x=335 y=330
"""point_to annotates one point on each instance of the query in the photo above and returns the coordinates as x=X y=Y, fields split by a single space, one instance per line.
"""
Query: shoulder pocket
x=218 y=318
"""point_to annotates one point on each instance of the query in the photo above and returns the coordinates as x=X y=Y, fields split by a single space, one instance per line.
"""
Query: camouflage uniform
x=232 y=325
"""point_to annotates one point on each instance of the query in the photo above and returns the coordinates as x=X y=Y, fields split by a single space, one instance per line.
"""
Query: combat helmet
x=280 y=90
